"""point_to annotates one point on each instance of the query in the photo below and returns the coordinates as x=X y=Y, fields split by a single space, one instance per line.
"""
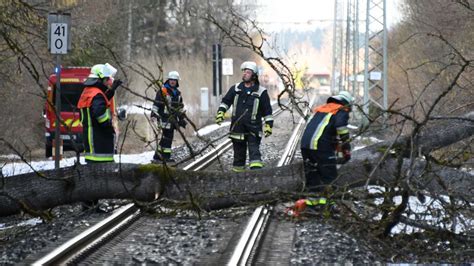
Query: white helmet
x=249 y=65
x=102 y=71
x=173 y=75
x=344 y=96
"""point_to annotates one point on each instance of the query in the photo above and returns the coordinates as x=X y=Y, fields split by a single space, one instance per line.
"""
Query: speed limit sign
x=59 y=39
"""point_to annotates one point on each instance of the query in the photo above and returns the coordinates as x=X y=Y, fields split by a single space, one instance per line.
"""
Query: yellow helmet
x=102 y=71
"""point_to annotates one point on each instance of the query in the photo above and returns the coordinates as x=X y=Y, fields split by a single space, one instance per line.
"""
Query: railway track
x=72 y=249
x=75 y=249
x=248 y=248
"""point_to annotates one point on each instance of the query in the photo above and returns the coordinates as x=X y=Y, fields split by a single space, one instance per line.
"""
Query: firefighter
x=251 y=105
x=325 y=136
x=96 y=117
x=168 y=110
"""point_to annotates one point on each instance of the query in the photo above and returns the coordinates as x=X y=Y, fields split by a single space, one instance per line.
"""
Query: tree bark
x=435 y=135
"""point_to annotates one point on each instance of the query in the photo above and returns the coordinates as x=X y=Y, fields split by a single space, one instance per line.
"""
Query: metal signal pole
x=376 y=61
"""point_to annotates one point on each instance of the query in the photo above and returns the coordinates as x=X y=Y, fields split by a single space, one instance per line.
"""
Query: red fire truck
x=72 y=79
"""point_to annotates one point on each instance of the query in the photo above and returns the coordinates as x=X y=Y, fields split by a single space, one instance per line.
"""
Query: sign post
x=59 y=42
x=227 y=69
x=217 y=72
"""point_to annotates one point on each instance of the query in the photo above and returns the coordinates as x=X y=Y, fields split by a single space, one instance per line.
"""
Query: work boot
x=157 y=157
x=167 y=157
x=256 y=165
x=238 y=169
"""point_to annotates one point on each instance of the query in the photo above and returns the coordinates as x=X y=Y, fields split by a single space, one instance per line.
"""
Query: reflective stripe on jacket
x=328 y=122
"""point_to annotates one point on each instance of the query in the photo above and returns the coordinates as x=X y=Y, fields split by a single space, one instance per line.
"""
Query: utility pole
x=347 y=48
x=337 y=41
x=355 y=48
x=376 y=61
x=217 y=72
x=349 y=51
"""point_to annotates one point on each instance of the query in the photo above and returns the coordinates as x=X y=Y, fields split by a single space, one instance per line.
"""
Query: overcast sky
x=279 y=14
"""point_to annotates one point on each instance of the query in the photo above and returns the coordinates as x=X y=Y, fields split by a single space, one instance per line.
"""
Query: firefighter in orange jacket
x=324 y=135
x=96 y=117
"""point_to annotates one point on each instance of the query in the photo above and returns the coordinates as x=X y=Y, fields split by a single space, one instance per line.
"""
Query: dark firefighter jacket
x=328 y=124
x=96 y=119
x=168 y=106
x=250 y=106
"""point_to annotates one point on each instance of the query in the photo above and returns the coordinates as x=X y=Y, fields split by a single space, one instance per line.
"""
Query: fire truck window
x=70 y=94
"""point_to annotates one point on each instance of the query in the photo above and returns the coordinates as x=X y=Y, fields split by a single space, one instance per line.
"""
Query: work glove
x=346 y=154
x=182 y=123
x=219 y=117
x=116 y=84
x=346 y=151
x=343 y=157
x=267 y=130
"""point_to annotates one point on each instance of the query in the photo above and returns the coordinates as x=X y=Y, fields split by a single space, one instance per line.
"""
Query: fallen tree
x=387 y=161
x=382 y=163
x=210 y=190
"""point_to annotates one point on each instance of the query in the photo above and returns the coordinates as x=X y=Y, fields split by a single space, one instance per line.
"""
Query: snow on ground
x=17 y=168
x=10 y=157
x=210 y=128
x=419 y=212
x=137 y=108
x=366 y=141
x=352 y=127
x=32 y=221
x=145 y=108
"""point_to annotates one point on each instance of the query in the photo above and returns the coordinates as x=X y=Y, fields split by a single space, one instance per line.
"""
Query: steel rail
x=290 y=149
x=250 y=239
x=68 y=251
x=255 y=226
x=205 y=160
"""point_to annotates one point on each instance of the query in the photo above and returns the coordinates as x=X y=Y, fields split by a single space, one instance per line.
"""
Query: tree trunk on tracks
x=39 y=191
x=32 y=192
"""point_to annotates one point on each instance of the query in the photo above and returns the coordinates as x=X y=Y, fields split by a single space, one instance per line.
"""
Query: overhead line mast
x=360 y=52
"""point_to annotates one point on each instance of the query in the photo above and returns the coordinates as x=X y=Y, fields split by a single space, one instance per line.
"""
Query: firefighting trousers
x=164 y=147
x=240 y=150
x=320 y=169
x=99 y=142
